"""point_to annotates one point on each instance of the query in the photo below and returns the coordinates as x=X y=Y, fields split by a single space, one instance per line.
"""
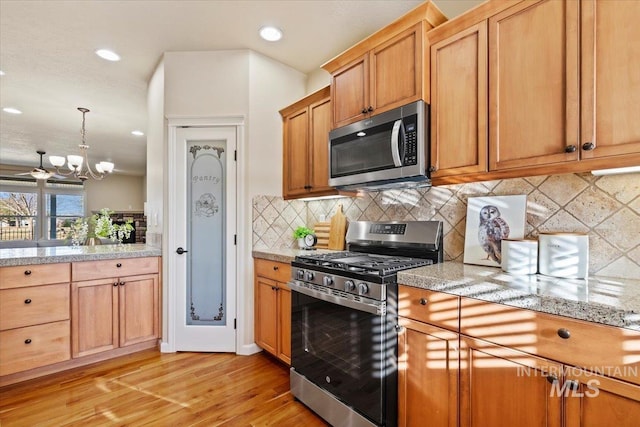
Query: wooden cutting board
x=337 y=230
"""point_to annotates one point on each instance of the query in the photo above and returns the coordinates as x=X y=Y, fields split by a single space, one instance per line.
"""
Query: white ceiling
x=47 y=54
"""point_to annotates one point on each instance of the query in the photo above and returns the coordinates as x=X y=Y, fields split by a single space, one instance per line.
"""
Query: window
x=36 y=210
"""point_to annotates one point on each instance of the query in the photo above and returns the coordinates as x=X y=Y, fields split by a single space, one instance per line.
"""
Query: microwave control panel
x=411 y=142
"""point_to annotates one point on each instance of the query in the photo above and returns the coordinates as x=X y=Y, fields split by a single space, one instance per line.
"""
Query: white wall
x=221 y=84
x=156 y=153
x=116 y=192
x=317 y=80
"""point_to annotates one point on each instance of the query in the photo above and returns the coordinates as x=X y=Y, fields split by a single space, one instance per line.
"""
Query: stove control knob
x=310 y=275
x=300 y=274
x=363 y=289
x=327 y=281
x=349 y=286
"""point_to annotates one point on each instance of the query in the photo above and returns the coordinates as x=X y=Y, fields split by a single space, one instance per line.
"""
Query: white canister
x=564 y=255
x=519 y=256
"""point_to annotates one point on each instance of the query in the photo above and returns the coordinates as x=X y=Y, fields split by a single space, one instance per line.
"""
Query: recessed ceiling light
x=11 y=110
x=108 y=55
x=271 y=34
x=137 y=133
x=1 y=73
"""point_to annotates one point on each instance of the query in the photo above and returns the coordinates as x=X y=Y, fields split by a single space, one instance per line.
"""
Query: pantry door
x=204 y=229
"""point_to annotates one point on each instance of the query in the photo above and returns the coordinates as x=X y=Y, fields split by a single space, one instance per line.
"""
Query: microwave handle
x=396 y=134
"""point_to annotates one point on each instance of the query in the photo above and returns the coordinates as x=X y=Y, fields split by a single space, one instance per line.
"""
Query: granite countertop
x=28 y=256
x=609 y=301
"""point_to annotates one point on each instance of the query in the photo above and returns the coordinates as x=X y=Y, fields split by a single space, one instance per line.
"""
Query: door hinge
x=235 y=239
x=235 y=155
x=235 y=323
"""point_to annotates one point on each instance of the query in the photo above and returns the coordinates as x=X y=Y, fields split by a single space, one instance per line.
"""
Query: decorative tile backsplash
x=605 y=207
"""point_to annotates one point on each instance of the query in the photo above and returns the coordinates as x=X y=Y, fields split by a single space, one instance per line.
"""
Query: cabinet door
x=138 y=307
x=296 y=153
x=610 y=78
x=396 y=71
x=350 y=92
x=533 y=85
x=427 y=375
x=284 y=323
x=94 y=316
x=594 y=401
x=319 y=127
x=266 y=315
x=459 y=103
x=504 y=387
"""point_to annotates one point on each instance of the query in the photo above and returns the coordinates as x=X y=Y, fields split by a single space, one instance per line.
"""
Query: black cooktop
x=358 y=262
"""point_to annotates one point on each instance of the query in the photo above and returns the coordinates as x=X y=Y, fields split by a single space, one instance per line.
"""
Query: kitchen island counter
x=604 y=300
x=30 y=256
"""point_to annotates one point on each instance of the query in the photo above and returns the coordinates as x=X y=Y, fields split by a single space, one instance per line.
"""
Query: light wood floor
x=154 y=389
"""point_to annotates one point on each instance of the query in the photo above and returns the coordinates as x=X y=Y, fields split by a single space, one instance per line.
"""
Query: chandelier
x=79 y=164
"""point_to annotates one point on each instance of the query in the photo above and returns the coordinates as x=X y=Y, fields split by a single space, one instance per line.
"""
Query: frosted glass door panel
x=206 y=229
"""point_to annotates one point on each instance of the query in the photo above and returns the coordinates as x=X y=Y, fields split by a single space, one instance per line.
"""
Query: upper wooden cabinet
x=557 y=78
x=459 y=102
x=306 y=126
x=610 y=97
x=533 y=85
x=384 y=71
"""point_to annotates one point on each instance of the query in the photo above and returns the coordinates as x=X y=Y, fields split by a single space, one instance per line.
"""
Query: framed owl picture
x=489 y=220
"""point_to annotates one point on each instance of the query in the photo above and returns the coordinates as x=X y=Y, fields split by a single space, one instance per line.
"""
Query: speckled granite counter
x=284 y=254
x=610 y=301
x=28 y=256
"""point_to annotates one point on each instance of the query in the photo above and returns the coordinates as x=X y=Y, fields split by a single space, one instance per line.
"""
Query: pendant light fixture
x=79 y=164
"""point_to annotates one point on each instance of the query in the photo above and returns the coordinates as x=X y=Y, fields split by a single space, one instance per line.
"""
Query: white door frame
x=172 y=241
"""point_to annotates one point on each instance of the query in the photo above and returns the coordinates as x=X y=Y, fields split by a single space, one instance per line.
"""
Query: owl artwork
x=491 y=231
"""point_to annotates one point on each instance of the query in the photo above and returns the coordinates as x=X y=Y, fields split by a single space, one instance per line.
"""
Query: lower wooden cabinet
x=504 y=387
x=273 y=308
x=112 y=313
x=507 y=366
x=595 y=400
x=427 y=375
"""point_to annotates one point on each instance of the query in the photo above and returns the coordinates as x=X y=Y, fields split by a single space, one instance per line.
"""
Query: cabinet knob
x=570 y=149
x=564 y=333
x=115 y=283
x=370 y=109
x=276 y=268
x=423 y=301
x=573 y=385
x=27 y=273
x=399 y=329
x=432 y=168
x=27 y=301
x=588 y=146
x=364 y=111
x=27 y=341
x=118 y=265
x=552 y=379
x=122 y=283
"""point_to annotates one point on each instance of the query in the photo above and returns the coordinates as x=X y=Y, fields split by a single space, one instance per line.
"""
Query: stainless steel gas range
x=344 y=318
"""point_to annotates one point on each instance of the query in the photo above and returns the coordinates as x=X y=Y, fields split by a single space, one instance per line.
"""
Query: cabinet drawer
x=33 y=275
x=90 y=270
x=49 y=343
x=278 y=271
x=435 y=308
x=605 y=349
x=33 y=305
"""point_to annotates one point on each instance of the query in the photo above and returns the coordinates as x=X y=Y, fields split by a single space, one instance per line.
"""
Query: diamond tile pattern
x=606 y=207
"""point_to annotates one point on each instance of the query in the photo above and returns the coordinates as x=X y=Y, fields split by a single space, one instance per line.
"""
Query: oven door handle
x=356 y=305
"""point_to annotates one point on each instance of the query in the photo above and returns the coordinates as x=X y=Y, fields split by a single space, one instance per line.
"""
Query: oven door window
x=343 y=351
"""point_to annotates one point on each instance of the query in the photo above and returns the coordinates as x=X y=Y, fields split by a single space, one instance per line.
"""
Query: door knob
x=180 y=251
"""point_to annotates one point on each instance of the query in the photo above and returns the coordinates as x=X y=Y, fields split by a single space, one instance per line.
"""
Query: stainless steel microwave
x=389 y=150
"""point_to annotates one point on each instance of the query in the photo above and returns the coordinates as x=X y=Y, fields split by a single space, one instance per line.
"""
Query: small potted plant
x=300 y=233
